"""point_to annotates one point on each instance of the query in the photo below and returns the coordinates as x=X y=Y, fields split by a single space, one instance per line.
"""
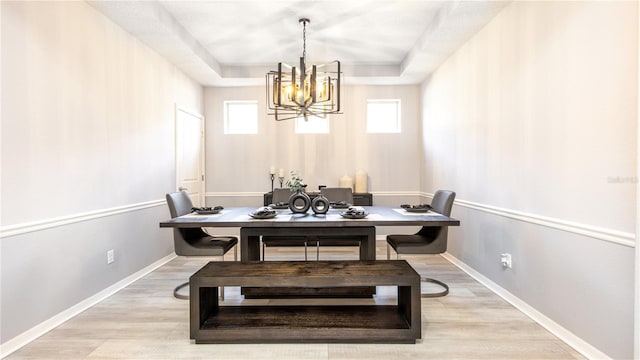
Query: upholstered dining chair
x=429 y=240
x=281 y=195
x=337 y=194
x=195 y=241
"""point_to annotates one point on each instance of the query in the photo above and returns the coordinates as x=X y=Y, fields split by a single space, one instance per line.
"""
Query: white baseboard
x=563 y=334
x=35 y=332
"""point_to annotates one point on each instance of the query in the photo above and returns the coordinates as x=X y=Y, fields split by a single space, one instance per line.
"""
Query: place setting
x=206 y=210
x=280 y=205
x=419 y=209
x=354 y=212
x=265 y=212
x=340 y=205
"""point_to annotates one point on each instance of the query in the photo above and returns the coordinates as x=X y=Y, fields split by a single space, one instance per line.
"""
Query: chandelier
x=297 y=92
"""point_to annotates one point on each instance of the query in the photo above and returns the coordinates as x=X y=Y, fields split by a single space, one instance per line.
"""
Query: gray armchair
x=429 y=240
x=195 y=241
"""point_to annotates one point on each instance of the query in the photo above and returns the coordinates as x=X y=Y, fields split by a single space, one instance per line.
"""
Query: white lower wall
x=87 y=156
x=565 y=335
x=47 y=271
x=537 y=114
x=582 y=283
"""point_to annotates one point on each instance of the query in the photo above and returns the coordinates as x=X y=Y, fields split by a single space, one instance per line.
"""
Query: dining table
x=310 y=225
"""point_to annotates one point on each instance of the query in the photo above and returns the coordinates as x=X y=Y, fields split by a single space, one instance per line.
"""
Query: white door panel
x=190 y=155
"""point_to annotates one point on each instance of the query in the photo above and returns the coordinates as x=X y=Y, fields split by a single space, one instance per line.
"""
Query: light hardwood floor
x=144 y=321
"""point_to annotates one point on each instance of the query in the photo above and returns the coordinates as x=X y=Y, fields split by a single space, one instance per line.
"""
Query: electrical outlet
x=110 y=256
x=505 y=259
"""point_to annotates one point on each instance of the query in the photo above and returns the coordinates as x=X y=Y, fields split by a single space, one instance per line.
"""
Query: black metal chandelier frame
x=293 y=92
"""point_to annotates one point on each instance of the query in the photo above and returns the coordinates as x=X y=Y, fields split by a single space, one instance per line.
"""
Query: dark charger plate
x=417 y=210
x=263 y=216
x=340 y=206
x=279 y=207
x=207 y=212
x=353 y=216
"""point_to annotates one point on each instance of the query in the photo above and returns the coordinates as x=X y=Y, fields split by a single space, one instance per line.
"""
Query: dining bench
x=313 y=321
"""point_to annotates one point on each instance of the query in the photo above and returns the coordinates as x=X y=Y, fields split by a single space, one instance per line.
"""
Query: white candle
x=346 y=181
x=361 y=181
x=281 y=172
x=272 y=170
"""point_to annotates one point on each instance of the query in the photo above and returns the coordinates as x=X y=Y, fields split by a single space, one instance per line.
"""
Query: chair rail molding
x=610 y=235
x=27 y=227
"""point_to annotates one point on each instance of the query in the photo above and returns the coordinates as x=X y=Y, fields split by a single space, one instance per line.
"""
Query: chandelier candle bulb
x=361 y=181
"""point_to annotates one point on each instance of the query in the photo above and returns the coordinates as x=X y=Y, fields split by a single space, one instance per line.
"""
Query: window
x=383 y=116
x=241 y=117
x=314 y=125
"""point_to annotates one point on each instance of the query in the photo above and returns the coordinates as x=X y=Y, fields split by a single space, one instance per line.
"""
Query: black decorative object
x=320 y=205
x=299 y=202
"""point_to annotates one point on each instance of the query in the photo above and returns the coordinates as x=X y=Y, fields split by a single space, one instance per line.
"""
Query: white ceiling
x=231 y=43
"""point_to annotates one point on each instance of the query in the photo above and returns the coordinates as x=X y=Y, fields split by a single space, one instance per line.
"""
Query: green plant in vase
x=296 y=183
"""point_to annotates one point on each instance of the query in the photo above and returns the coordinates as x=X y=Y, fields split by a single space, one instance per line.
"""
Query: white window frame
x=393 y=128
x=232 y=129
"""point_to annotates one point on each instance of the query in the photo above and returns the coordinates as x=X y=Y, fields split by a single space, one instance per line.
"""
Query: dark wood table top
x=308 y=273
x=378 y=216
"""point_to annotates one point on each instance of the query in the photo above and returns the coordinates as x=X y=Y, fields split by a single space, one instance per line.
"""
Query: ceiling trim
x=454 y=23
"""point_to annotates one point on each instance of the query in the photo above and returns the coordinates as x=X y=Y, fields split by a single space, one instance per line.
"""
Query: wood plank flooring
x=144 y=321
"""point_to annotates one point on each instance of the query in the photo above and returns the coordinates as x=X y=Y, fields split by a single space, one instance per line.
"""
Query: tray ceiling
x=232 y=43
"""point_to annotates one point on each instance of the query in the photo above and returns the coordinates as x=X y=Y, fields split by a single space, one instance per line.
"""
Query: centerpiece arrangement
x=299 y=202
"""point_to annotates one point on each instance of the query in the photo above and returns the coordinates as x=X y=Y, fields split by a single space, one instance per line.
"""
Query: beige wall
x=239 y=164
x=533 y=123
x=87 y=156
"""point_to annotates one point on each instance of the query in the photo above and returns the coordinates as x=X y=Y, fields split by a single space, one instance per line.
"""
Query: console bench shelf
x=212 y=323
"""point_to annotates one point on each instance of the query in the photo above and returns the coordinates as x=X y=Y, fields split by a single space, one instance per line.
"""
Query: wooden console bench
x=212 y=323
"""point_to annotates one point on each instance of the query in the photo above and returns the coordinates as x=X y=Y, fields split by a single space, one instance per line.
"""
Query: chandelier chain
x=304 y=41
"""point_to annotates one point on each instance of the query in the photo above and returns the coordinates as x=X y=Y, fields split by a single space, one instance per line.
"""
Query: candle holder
x=272 y=178
x=281 y=180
